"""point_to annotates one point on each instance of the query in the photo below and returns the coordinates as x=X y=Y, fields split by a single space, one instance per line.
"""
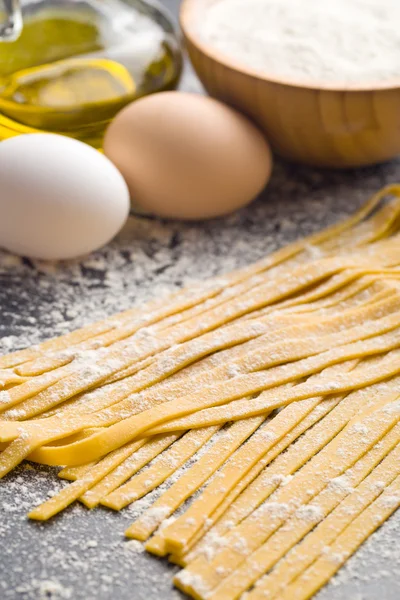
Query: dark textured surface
x=82 y=555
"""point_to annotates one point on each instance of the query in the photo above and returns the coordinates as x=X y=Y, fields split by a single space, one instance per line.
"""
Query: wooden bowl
x=321 y=126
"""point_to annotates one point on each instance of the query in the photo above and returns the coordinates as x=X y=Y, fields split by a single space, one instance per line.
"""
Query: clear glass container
x=68 y=66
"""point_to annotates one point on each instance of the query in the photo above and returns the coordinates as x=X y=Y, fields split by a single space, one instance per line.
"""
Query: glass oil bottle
x=68 y=66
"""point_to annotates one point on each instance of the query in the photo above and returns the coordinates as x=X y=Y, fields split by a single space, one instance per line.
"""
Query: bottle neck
x=11 y=20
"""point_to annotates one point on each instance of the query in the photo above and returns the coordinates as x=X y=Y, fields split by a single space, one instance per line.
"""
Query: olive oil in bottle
x=75 y=64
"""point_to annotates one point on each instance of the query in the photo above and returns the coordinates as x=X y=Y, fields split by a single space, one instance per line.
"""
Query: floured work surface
x=88 y=549
x=82 y=554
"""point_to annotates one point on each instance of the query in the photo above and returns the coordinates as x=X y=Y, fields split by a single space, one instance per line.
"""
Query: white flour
x=309 y=41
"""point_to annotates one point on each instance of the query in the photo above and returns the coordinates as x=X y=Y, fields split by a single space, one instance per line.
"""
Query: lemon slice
x=64 y=93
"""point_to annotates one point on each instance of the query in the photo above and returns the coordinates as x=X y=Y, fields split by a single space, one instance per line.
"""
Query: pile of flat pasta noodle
x=277 y=386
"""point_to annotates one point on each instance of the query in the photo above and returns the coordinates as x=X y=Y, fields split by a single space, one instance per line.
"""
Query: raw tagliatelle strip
x=309 y=515
x=9 y=379
x=62 y=384
x=291 y=573
x=166 y=365
x=47 y=381
x=339 y=455
x=156 y=544
x=242 y=461
x=355 y=294
x=334 y=556
x=195 y=476
x=303 y=342
x=287 y=432
x=181 y=381
x=128 y=464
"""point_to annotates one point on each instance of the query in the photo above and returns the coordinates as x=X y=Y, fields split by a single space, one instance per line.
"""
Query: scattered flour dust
x=309 y=41
x=82 y=554
x=148 y=260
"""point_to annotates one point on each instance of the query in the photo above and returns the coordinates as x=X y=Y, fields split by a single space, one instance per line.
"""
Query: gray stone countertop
x=81 y=554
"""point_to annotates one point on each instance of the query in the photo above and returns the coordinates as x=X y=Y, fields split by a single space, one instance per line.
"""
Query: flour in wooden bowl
x=309 y=41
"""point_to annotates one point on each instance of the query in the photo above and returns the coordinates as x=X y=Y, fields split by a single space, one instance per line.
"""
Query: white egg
x=59 y=198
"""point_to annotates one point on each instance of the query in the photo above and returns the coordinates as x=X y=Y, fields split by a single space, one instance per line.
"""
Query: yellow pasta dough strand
x=327 y=321
x=52 y=392
x=381 y=222
x=9 y=378
x=95 y=474
x=235 y=409
x=105 y=329
x=74 y=490
x=77 y=352
x=156 y=310
x=42 y=423
x=219 y=518
x=224 y=445
x=309 y=515
x=350 y=297
x=59 y=343
x=286 y=464
x=169 y=363
x=338 y=536
x=81 y=403
x=74 y=473
x=340 y=454
x=369 y=232
x=127 y=469
x=192 y=480
x=251 y=494
x=372 y=518
x=365 y=234
x=124 y=332
x=89 y=476
x=268 y=400
x=310 y=325
x=160 y=470
x=165 y=364
x=120 y=497
x=350 y=318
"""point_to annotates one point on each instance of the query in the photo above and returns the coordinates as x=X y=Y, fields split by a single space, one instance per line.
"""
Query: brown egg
x=187 y=156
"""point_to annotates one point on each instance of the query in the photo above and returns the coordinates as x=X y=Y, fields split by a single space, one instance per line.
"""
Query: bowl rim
x=186 y=11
